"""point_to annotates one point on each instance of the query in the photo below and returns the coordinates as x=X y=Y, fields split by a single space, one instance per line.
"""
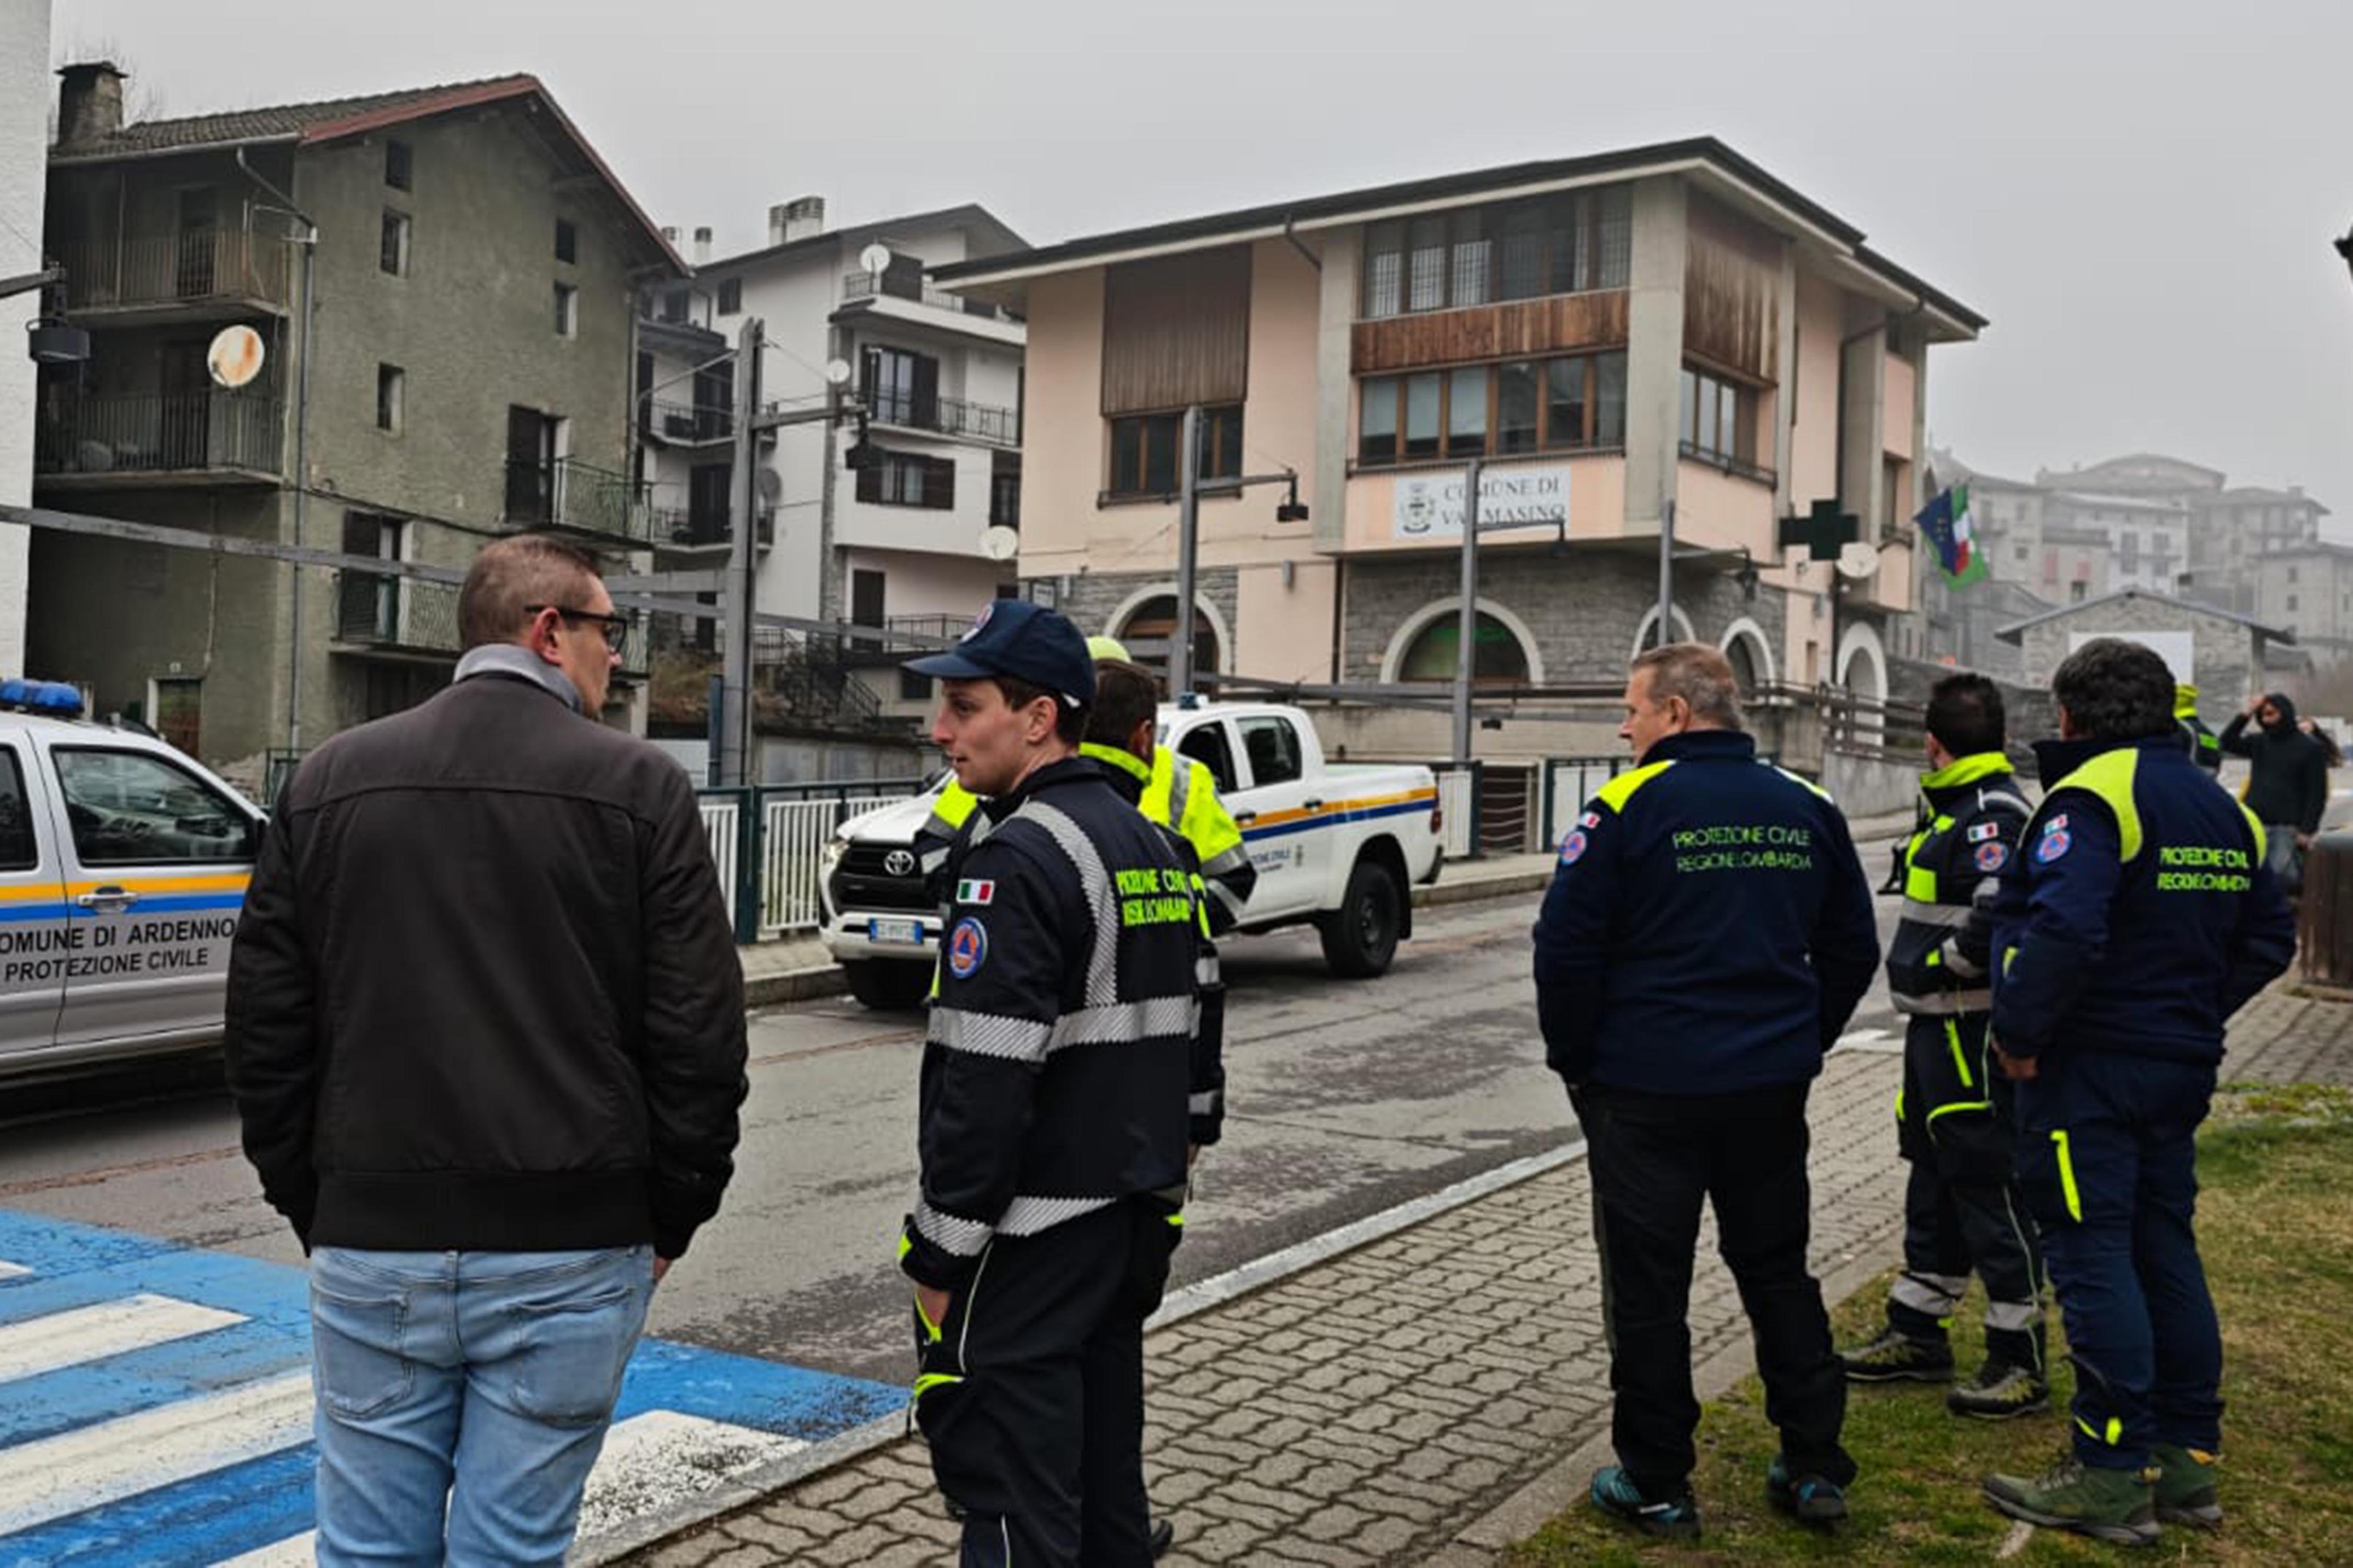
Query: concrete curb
x=1503 y=885
x=1204 y=1295
x=1563 y=1484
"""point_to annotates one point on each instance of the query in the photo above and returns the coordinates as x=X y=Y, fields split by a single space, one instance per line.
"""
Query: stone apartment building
x=1613 y=335
x=465 y=313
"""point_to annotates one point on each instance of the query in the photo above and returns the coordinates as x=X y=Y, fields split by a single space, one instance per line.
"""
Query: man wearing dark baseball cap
x=1053 y=1112
x=1028 y=642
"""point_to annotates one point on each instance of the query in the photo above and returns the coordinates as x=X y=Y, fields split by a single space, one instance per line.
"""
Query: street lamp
x=2345 y=248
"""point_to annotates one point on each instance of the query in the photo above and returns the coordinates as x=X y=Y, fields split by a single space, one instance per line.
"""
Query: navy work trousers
x=2108 y=1158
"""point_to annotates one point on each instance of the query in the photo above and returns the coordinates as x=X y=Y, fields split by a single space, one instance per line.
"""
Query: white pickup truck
x=1337 y=845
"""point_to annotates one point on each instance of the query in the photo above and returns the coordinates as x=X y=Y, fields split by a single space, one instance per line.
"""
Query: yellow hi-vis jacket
x=1178 y=793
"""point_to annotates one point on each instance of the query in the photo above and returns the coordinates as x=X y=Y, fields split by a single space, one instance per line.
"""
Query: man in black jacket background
x=485 y=1032
x=2287 y=783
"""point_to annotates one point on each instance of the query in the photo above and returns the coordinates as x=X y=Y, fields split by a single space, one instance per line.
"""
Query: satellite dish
x=875 y=258
x=837 y=373
x=1857 y=560
x=770 y=484
x=234 y=357
x=1001 y=543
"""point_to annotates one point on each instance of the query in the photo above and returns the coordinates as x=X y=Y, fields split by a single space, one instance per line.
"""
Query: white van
x=124 y=866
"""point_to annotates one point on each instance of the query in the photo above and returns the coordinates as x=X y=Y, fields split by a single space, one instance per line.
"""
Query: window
x=567 y=311
x=20 y=849
x=367 y=604
x=731 y=296
x=1497 y=660
x=397 y=172
x=1519 y=250
x=391 y=387
x=395 y=256
x=1005 y=493
x=128 y=809
x=2291 y=604
x=1207 y=746
x=903 y=388
x=1521 y=405
x=902 y=478
x=2075 y=592
x=1144 y=460
x=1466 y=413
x=673 y=305
x=1272 y=747
x=568 y=240
x=2291 y=573
x=866 y=596
x=1717 y=418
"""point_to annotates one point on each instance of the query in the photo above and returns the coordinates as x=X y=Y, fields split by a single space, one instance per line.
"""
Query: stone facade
x=1094 y=598
x=2227 y=652
x=1582 y=612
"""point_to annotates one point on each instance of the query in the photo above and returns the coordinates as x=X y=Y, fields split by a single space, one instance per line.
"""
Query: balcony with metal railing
x=947 y=416
x=188 y=276
x=398 y=618
x=688 y=423
x=683 y=530
x=858 y=288
x=95 y=440
x=567 y=496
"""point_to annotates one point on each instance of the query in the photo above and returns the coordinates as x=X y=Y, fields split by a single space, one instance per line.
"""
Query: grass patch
x=2276 y=1164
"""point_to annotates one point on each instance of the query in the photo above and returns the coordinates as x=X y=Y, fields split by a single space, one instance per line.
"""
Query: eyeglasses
x=613 y=628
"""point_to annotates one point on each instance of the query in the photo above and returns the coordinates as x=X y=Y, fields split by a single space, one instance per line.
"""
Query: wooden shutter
x=926 y=391
x=869 y=477
x=1177 y=330
x=939 y=483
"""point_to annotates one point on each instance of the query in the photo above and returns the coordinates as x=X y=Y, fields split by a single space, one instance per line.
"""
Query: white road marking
x=1885 y=1041
x=650 y=1461
x=92 y=1466
x=86 y=1333
x=12 y=1270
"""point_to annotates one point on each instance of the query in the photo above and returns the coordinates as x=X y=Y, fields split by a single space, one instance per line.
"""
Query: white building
x=24 y=172
x=918 y=538
x=2147 y=535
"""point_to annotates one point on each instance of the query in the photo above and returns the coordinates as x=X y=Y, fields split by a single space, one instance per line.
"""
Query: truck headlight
x=830 y=857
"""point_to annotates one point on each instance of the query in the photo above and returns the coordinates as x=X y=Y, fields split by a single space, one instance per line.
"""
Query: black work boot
x=1999 y=1391
x=1896 y=1355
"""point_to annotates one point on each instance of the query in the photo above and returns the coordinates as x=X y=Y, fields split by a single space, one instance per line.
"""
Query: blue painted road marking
x=114 y=1328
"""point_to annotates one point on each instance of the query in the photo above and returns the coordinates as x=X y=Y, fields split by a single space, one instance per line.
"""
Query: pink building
x=1614 y=335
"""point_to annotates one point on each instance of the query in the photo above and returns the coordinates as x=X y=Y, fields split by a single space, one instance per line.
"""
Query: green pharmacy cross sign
x=1823 y=530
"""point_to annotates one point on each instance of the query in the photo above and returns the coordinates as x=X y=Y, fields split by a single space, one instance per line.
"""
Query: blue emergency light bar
x=50 y=699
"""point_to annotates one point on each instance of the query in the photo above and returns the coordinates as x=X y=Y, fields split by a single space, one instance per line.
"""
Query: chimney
x=800 y=219
x=669 y=234
x=90 y=101
x=702 y=248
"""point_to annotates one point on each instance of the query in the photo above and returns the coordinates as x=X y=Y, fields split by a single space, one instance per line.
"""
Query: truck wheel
x=888 y=987
x=1361 y=938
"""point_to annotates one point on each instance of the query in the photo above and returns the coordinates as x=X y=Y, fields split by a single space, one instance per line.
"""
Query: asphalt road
x=1352 y=1096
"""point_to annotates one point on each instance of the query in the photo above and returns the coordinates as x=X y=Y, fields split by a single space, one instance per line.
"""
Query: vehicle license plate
x=898 y=933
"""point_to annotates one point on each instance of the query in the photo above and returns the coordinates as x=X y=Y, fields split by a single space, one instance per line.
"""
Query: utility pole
x=737 y=761
x=1466 y=635
x=1666 y=628
x=1188 y=550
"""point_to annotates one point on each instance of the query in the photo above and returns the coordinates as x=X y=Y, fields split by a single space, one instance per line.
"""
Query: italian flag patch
x=974 y=891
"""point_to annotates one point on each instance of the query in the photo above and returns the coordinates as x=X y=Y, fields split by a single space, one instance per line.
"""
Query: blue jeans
x=477 y=1382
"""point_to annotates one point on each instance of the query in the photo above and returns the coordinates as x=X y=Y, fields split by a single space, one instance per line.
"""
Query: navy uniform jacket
x=1057 y=1068
x=2138 y=916
x=1709 y=929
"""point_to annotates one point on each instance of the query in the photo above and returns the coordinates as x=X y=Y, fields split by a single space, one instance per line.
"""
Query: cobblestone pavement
x=1363 y=1411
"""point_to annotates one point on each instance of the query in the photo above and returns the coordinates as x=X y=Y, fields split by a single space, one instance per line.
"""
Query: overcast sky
x=2140 y=195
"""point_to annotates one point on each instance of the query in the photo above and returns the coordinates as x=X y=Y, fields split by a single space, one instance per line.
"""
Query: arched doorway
x=1148 y=631
x=1497 y=657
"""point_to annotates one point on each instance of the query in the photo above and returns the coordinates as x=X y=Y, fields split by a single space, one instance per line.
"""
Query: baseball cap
x=1024 y=640
x=1100 y=648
